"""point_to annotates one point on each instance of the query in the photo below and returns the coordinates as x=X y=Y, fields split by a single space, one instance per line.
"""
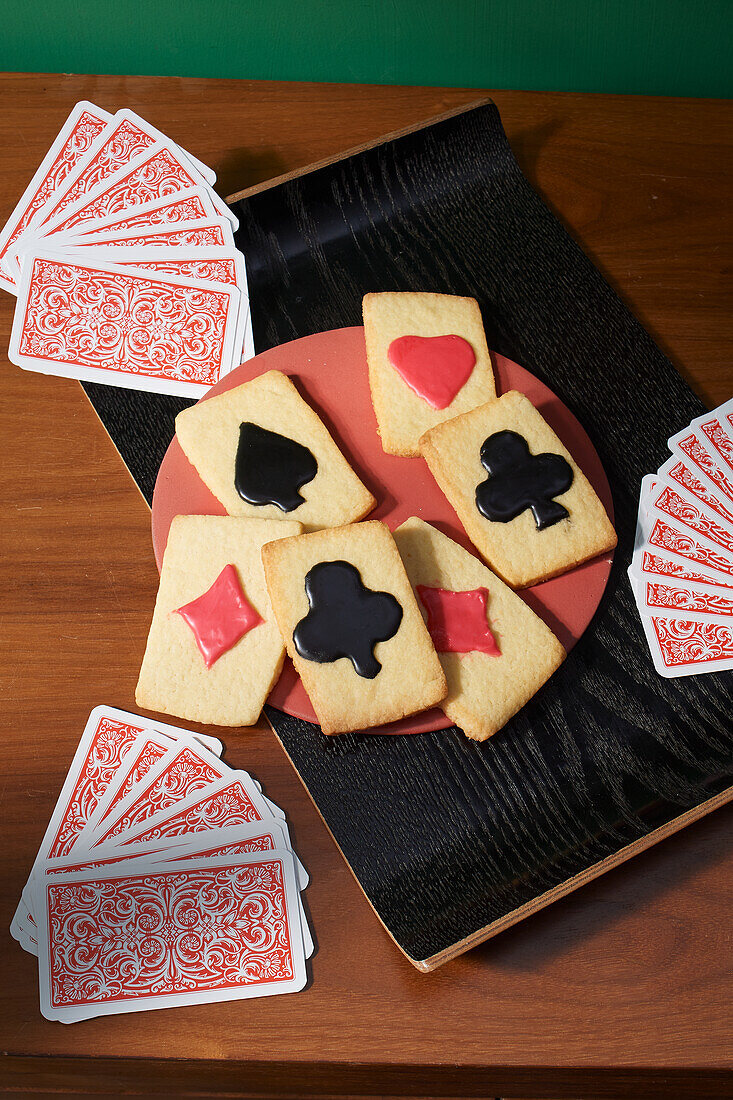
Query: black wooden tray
x=451 y=840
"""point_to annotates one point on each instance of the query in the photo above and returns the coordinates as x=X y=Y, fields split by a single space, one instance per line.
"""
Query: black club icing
x=270 y=468
x=346 y=619
x=518 y=480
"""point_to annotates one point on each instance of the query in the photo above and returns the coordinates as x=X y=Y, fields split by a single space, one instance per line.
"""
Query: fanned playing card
x=682 y=569
x=195 y=914
x=75 y=138
x=195 y=932
x=115 y=325
x=123 y=260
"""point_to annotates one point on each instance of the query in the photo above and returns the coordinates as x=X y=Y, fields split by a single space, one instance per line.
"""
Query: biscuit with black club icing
x=402 y=414
x=174 y=677
x=484 y=691
x=517 y=549
x=260 y=448
x=409 y=677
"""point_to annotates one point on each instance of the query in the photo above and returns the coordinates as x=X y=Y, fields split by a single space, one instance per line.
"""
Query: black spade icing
x=270 y=468
x=518 y=480
x=346 y=619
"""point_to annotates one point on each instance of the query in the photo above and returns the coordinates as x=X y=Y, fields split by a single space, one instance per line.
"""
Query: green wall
x=661 y=47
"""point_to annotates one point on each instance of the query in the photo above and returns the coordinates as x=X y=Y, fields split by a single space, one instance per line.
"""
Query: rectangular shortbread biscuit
x=402 y=415
x=410 y=679
x=174 y=678
x=520 y=553
x=209 y=434
x=484 y=691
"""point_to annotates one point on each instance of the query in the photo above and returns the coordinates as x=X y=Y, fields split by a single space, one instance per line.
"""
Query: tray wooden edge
x=393 y=135
x=562 y=889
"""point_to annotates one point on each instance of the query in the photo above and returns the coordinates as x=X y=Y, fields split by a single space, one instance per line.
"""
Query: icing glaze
x=457 y=621
x=519 y=480
x=434 y=367
x=270 y=468
x=346 y=619
x=220 y=617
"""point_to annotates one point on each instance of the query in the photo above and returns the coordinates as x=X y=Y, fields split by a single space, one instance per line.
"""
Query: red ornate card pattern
x=683 y=643
x=669 y=538
x=205 y=236
x=78 y=315
x=684 y=477
x=231 y=805
x=720 y=439
x=169 y=934
x=188 y=209
x=699 y=456
x=146 y=757
x=683 y=599
x=154 y=177
x=125 y=142
x=182 y=776
x=110 y=741
x=212 y=271
x=82 y=134
x=675 y=506
x=653 y=563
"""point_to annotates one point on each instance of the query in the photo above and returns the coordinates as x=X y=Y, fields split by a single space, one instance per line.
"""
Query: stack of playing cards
x=122 y=258
x=164 y=878
x=682 y=569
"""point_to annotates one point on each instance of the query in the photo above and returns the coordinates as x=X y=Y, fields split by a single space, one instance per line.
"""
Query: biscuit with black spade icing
x=484 y=450
x=174 y=677
x=264 y=453
x=403 y=415
x=484 y=690
x=352 y=626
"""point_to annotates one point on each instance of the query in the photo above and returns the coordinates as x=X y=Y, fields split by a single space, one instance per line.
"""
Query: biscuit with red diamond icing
x=214 y=650
x=352 y=627
x=524 y=502
x=484 y=689
x=265 y=453
x=429 y=337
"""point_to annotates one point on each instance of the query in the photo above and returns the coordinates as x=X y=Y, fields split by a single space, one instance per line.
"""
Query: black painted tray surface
x=448 y=837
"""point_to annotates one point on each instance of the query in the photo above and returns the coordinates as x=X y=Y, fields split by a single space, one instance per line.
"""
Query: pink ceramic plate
x=330 y=371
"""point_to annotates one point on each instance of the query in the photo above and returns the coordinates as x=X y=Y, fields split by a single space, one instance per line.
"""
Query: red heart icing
x=435 y=367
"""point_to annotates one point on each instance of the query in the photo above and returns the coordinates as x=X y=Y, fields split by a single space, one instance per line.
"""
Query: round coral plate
x=330 y=371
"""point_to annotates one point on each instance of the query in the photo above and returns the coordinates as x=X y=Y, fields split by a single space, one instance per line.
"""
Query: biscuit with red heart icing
x=428 y=361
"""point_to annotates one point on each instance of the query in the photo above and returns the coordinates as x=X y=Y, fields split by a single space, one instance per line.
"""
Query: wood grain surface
x=622 y=989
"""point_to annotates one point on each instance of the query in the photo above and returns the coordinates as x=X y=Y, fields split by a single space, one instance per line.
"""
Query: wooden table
x=622 y=989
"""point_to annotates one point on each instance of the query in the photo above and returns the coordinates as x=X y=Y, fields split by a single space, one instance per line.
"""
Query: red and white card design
x=682 y=567
x=125 y=137
x=201 y=912
x=183 y=206
x=114 y=203
x=203 y=265
x=160 y=171
x=204 y=232
x=107 y=736
x=74 y=140
x=184 y=770
x=194 y=932
x=115 y=325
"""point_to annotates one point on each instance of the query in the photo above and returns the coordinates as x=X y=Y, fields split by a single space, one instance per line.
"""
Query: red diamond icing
x=221 y=616
x=457 y=621
x=435 y=367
